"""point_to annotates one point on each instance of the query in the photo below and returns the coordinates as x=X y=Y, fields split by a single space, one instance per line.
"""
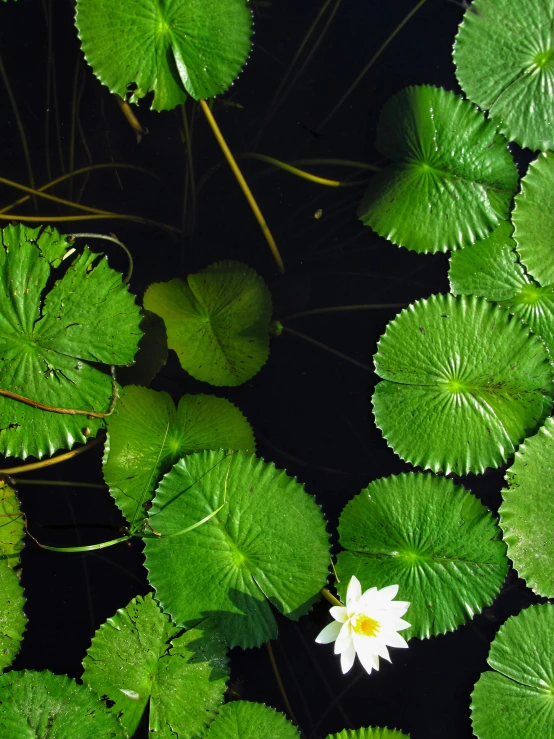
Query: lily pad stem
x=115 y=240
x=51 y=460
x=327 y=348
x=331 y=598
x=280 y=684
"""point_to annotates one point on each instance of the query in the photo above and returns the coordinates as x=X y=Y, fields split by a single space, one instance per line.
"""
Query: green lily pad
x=245 y=720
x=232 y=531
x=12 y=618
x=147 y=435
x=491 y=270
x=527 y=516
x=11 y=525
x=40 y=704
x=151 y=355
x=452 y=178
x=505 y=64
x=217 y=321
x=139 y=656
x=50 y=345
x=464 y=384
x=533 y=219
x=371 y=732
x=140 y=46
x=516 y=700
x=430 y=537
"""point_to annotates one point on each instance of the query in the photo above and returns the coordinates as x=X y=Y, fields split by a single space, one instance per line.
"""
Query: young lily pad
x=245 y=720
x=11 y=525
x=217 y=321
x=452 y=177
x=139 y=656
x=526 y=515
x=12 y=618
x=231 y=534
x=506 y=65
x=533 y=219
x=147 y=435
x=491 y=270
x=50 y=345
x=40 y=704
x=140 y=46
x=464 y=384
x=433 y=539
x=371 y=732
x=516 y=700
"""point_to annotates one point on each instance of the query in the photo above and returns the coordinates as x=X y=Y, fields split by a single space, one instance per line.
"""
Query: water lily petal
x=347 y=658
x=394 y=640
x=339 y=613
x=329 y=633
x=369 y=660
x=354 y=592
x=344 y=639
x=373 y=644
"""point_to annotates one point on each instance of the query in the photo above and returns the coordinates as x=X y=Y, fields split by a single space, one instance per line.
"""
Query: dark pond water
x=310 y=410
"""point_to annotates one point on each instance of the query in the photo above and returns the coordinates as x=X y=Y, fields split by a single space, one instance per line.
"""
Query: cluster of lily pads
x=466 y=384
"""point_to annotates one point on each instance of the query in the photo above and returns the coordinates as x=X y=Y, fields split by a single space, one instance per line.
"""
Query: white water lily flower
x=366 y=625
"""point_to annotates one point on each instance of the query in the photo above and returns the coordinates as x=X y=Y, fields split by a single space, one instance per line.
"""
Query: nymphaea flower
x=366 y=625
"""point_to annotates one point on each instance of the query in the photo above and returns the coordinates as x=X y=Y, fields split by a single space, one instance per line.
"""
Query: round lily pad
x=371 y=732
x=430 y=537
x=464 y=384
x=452 y=178
x=245 y=720
x=231 y=534
x=140 y=46
x=138 y=657
x=12 y=618
x=217 y=321
x=40 y=704
x=490 y=269
x=50 y=345
x=147 y=435
x=11 y=525
x=526 y=514
x=505 y=64
x=516 y=699
x=533 y=219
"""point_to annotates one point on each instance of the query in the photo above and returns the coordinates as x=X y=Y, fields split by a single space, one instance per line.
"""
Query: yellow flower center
x=365 y=625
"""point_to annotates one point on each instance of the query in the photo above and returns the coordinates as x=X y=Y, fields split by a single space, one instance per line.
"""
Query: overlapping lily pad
x=245 y=720
x=527 y=514
x=433 y=539
x=40 y=704
x=490 y=269
x=504 y=56
x=231 y=534
x=516 y=699
x=50 y=345
x=464 y=384
x=12 y=618
x=147 y=435
x=140 y=46
x=11 y=525
x=533 y=219
x=371 y=732
x=138 y=657
x=217 y=321
x=452 y=178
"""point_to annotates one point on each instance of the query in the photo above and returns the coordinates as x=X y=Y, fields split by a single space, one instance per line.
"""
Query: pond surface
x=310 y=409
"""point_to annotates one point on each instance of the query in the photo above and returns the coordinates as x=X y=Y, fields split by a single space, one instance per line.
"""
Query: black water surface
x=310 y=410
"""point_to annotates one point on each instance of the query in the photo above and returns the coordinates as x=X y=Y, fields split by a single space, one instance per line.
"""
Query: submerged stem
x=326 y=348
x=52 y=460
x=280 y=684
x=341 y=308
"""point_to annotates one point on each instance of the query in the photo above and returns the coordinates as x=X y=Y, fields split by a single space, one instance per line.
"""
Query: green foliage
x=463 y=384
x=151 y=355
x=140 y=46
x=451 y=180
x=11 y=525
x=232 y=533
x=433 y=539
x=369 y=733
x=147 y=435
x=50 y=344
x=40 y=704
x=217 y=321
x=244 y=720
x=505 y=64
x=516 y=700
x=12 y=618
x=139 y=656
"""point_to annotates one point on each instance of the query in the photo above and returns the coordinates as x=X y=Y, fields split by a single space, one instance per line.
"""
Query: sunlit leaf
x=11 y=525
x=244 y=720
x=12 y=618
x=371 y=732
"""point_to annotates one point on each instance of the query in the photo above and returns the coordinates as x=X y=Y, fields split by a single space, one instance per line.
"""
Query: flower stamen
x=365 y=625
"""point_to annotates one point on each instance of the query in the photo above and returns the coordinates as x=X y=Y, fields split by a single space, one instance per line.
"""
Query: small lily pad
x=147 y=435
x=231 y=534
x=505 y=64
x=11 y=525
x=371 y=732
x=12 y=618
x=217 y=321
x=140 y=46
x=138 y=657
x=464 y=384
x=245 y=720
x=527 y=515
x=430 y=537
x=452 y=178
x=516 y=700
